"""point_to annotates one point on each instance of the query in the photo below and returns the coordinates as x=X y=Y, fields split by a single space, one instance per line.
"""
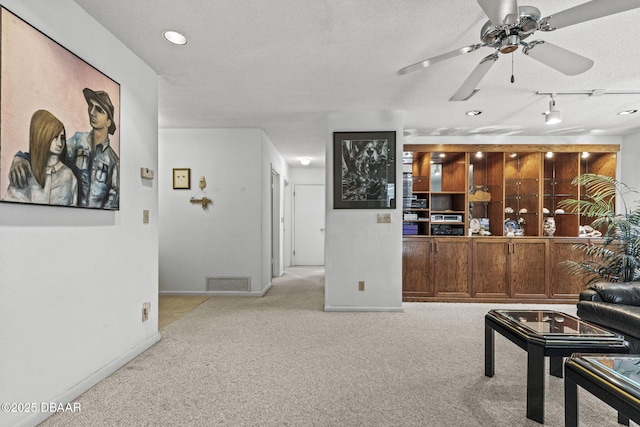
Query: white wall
x=73 y=281
x=232 y=238
x=356 y=246
x=628 y=162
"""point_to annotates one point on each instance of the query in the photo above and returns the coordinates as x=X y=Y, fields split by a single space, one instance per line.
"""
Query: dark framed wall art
x=181 y=178
x=364 y=170
x=59 y=123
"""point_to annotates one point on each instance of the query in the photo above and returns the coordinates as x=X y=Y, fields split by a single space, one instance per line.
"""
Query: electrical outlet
x=361 y=285
x=384 y=218
x=145 y=216
x=146 y=308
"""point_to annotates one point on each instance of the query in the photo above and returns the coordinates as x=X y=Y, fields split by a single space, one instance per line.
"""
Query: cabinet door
x=490 y=267
x=452 y=266
x=564 y=285
x=529 y=267
x=416 y=260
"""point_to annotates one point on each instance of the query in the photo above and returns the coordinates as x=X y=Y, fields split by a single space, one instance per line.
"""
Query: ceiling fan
x=509 y=25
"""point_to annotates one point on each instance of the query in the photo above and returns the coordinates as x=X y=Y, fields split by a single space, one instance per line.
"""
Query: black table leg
x=489 y=357
x=535 y=383
x=555 y=366
x=622 y=419
x=570 y=403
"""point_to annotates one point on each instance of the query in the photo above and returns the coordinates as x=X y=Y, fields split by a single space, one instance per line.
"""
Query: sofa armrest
x=590 y=295
x=618 y=293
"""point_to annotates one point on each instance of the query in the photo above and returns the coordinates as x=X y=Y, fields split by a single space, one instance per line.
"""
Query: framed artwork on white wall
x=364 y=170
x=181 y=178
x=59 y=123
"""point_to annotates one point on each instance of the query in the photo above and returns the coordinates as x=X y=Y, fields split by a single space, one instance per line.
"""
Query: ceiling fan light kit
x=508 y=26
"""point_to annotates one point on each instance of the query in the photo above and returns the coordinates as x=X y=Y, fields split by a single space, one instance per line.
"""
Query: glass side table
x=545 y=333
x=614 y=379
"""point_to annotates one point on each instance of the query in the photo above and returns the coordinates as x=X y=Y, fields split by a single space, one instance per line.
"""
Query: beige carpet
x=281 y=360
x=172 y=308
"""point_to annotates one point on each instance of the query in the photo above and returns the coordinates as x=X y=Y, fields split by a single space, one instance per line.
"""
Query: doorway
x=277 y=222
x=309 y=224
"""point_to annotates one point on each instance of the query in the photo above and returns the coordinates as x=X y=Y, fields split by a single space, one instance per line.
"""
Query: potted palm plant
x=618 y=258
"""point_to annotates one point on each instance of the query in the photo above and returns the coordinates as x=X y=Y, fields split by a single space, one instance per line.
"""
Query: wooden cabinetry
x=436 y=267
x=522 y=192
x=490 y=269
x=510 y=268
x=499 y=186
x=564 y=285
x=486 y=192
x=454 y=188
x=436 y=203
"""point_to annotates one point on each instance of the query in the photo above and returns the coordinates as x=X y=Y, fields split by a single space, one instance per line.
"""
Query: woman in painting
x=50 y=181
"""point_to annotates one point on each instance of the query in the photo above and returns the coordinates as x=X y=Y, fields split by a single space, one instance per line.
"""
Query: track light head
x=554 y=115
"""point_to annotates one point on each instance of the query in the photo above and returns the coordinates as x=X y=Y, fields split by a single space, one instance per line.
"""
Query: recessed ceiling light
x=473 y=113
x=174 y=37
x=304 y=161
x=627 y=112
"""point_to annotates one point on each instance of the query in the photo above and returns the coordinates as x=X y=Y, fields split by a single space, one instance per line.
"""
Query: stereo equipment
x=446 y=230
x=446 y=218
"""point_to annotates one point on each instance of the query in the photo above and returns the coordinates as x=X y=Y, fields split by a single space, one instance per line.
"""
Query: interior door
x=308 y=229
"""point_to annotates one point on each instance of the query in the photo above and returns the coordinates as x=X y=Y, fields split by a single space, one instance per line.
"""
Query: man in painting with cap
x=92 y=159
x=89 y=155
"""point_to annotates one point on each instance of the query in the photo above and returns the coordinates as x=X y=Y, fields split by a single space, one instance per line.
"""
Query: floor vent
x=236 y=284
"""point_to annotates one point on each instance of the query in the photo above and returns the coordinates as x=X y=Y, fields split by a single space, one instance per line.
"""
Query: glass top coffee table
x=614 y=379
x=545 y=333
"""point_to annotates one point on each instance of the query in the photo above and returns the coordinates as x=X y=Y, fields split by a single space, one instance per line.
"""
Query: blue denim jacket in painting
x=97 y=172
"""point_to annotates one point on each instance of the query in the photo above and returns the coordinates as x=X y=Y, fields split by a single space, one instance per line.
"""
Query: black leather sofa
x=614 y=306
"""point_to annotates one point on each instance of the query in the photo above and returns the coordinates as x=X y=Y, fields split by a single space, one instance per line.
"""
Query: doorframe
x=276 y=225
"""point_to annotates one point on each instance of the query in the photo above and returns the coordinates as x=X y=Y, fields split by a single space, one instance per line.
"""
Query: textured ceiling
x=282 y=65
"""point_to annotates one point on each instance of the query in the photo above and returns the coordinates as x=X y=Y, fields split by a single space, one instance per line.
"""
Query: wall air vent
x=234 y=284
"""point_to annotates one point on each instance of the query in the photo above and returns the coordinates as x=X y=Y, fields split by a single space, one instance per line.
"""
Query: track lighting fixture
x=554 y=115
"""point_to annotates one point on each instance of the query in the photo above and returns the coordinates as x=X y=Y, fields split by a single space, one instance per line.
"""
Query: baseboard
x=91 y=381
x=363 y=309
x=216 y=293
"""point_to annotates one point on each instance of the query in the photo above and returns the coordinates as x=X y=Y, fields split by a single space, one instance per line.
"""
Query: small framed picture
x=181 y=178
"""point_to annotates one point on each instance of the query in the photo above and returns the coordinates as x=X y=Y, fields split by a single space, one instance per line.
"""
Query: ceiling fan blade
x=468 y=88
x=558 y=58
x=439 y=58
x=500 y=11
x=585 y=12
